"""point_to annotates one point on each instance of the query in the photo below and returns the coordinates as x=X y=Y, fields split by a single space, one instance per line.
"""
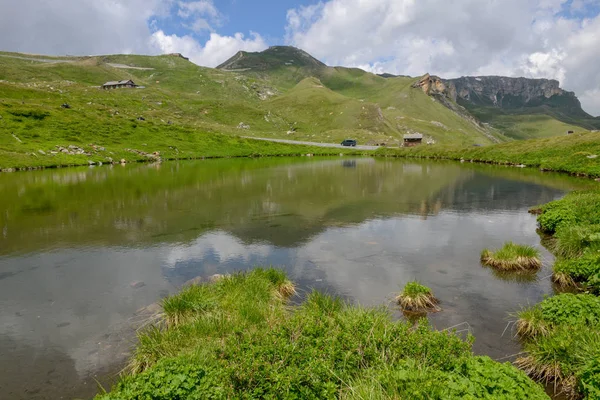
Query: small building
x=412 y=139
x=119 y=84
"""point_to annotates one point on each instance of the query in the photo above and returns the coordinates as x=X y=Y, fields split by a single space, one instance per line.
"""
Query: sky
x=557 y=39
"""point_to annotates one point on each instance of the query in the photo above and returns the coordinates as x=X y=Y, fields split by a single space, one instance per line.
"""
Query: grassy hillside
x=183 y=108
x=526 y=124
x=577 y=154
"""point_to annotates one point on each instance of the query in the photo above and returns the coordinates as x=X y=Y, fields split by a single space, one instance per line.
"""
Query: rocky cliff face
x=504 y=92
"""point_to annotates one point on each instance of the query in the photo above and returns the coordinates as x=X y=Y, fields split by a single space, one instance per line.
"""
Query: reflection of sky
x=369 y=262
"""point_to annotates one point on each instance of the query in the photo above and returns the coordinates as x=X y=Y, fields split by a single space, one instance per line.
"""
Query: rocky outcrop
x=445 y=92
x=434 y=85
x=504 y=92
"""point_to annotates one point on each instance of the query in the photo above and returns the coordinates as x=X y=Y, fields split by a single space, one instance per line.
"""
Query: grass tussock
x=512 y=257
x=562 y=337
x=250 y=344
x=531 y=323
x=562 y=358
x=417 y=298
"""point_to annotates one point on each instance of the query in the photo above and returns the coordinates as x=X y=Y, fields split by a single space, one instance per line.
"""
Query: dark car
x=349 y=142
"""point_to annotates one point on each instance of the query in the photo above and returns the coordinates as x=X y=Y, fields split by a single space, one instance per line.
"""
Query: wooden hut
x=413 y=139
x=119 y=84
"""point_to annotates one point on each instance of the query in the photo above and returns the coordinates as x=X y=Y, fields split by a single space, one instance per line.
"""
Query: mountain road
x=335 y=145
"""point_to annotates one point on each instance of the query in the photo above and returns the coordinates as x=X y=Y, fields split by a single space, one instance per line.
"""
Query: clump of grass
x=573 y=241
x=284 y=288
x=561 y=356
x=512 y=257
x=417 y=298
x=190 y=303
x=531 y=323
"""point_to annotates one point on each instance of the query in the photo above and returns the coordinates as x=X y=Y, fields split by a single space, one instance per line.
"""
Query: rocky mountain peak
x=272 y=58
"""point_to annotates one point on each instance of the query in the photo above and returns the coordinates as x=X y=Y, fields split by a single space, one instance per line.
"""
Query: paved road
x=358 y=147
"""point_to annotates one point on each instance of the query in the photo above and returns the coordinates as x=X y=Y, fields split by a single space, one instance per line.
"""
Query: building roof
x=115 y=83
x=413 y=136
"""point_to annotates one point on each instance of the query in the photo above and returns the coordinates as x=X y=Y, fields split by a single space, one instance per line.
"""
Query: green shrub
x=589 y=380
x=574 y=209
x=553 y=215
x=584 y=270
x=474 y=378
x=183 y=378
x=570 y=309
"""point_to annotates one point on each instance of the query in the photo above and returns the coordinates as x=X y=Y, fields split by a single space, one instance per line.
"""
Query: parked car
x=349 y=142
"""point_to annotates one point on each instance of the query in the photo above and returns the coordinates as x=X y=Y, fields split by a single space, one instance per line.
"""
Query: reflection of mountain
x=282 y=202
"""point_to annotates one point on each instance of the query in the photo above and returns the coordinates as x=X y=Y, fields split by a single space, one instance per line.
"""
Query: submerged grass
x=239 y=340
x=512 y=257
x=417 y=298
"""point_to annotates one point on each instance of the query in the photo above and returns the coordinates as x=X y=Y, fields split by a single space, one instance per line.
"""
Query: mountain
x=517 y=107
x=272 y=58
x=282 y=92
x=374 y=108
x=511 y=104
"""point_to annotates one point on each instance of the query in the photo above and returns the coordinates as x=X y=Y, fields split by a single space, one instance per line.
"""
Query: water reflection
x=82 y=250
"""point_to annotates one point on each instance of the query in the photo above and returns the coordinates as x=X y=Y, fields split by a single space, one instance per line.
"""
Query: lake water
x=82 y=250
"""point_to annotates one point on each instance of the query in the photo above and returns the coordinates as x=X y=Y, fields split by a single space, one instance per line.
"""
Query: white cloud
x=199 y=16
x=90 y=27
x=203 y=7
x=81 y=27
x=463 y=37
x=216 y=50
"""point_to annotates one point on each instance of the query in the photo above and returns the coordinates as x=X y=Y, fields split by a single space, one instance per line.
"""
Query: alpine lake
x=85 y=251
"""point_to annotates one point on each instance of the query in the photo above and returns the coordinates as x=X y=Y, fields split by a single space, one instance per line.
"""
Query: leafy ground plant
x=578 y=272
x=417 y=298
x=512 y=257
